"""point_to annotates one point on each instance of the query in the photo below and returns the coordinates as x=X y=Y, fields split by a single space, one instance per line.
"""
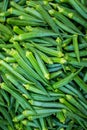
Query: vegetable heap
x=43 y=65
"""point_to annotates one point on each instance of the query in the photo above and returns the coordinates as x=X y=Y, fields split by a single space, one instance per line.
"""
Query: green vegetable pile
x=43 y=65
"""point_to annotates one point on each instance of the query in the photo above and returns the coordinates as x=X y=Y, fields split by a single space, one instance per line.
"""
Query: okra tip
x=28 y=53
x=47 y=76
x=68 y=96
x=24 y=122
x=58 y=40
x=60 y=9
x=15 y=27
x=24 y=112
x=45 y=2
x=63 y=61
x=51 y=12
x=64 y=111
x=13 y=52
x=30 y=101
x=37 y=6
x=70 y=15
x=27 y=86
x=24 y=95
x=15 y=119
x=10 y=10
x=61 y=100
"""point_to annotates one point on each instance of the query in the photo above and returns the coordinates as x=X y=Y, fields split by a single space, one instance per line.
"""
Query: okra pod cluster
x=43 y=65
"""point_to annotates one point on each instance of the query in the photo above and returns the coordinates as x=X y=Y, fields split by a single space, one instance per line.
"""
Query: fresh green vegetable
x=43 y=65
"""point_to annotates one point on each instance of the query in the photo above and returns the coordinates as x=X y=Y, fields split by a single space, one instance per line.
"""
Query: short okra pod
x=18 y=118
x=9 y=59
x=76 y=47
x=66 y=42
x=26 y=122
x=58 y=60
x=61 y=117
x=55 y=74
x=17 y=30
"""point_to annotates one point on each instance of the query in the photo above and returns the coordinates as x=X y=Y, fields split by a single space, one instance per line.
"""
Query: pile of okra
x=43 y=64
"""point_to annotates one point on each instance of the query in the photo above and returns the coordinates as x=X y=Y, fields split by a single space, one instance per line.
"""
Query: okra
x=47 y=18
x=49 y=50
x=34 y=34
x=64 y=81
x=64 y=27
x=46 y=104
x=78 y=7
x=19 y=22
x=80 y=82
x=76 y=47
x=64 y=20
x=20 y=87
x=21 y=100
x=75 y=103
x=40 y=111
x=71 y=107
x=72 y=15
x=17 y=6
x=24 y=65
x=42 y=66
x=33 y=61
x=9 y=68
x=45 y=58
x=33 y=12
x=17 y=30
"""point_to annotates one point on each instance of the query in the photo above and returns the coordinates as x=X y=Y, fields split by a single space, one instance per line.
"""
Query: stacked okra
x=43 y=65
